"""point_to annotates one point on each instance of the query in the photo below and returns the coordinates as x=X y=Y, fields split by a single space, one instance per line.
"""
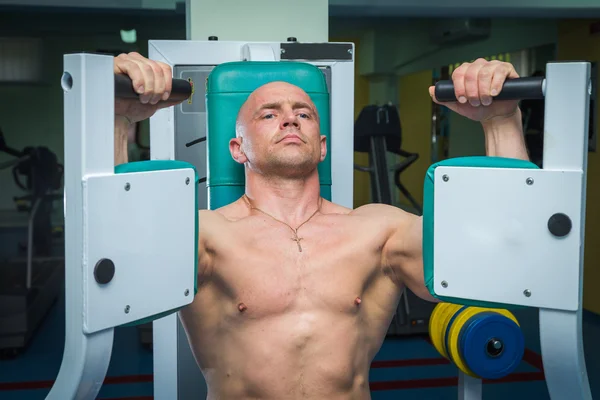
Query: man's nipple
x=357 y=301
x=242 y=307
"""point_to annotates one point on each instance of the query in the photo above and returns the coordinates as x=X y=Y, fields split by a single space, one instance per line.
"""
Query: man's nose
x=290 y=119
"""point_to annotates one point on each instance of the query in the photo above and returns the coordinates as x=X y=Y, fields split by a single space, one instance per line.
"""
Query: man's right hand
x=151 y=79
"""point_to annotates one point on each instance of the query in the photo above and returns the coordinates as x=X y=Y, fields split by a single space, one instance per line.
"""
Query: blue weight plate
x=478 y=352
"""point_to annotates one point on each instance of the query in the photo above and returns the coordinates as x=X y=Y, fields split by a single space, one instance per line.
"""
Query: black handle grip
x=529 y=88
x=181 y=89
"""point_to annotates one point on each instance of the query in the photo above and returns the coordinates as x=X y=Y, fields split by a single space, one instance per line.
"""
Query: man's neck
x=289 y=200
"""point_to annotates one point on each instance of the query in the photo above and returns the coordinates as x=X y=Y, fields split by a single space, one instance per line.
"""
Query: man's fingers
x=161 y=78
x=501 y=74
x=152 y=80
x=458 y=79
x=126 y=66
x=145 y=90
x=486 y=74
x=472 y=82
x=159 y=82
x=451 y=105
x=168 y=75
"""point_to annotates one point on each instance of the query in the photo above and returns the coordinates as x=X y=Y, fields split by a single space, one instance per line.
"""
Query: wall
x=404 y=46
x=576 y=43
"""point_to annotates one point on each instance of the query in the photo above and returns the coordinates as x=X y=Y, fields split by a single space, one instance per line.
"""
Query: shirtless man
x=282 y=314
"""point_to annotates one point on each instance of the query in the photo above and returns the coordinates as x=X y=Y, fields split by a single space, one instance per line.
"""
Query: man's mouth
x=291 y=138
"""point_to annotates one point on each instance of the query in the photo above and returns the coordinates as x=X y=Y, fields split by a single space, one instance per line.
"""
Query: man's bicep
x=404 y=255
x=204 y=252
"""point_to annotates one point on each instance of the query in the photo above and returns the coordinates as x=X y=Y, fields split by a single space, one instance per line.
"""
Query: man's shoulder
x=228 y=213
x=376 y=210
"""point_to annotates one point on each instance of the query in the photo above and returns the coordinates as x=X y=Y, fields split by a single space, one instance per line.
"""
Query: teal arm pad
x=160 y=165
x=429 y=217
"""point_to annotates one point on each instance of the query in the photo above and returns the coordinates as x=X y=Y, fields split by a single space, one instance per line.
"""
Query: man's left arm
x=403 y=253
x=476 y=84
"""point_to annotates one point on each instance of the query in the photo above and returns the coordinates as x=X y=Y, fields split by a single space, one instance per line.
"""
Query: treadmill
x=32 y=277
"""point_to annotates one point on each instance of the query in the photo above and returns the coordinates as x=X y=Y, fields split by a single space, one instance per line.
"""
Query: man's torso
x=272 y=322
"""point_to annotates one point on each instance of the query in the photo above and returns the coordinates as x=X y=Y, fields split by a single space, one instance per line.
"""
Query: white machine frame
x=497 y=245
x=113 y=269
x=93 y=310
x=176 y=374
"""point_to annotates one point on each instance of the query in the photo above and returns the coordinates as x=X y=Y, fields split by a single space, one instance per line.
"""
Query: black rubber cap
x=104 y=271
x=559 y=225
x=292 y=39
x=213 y=38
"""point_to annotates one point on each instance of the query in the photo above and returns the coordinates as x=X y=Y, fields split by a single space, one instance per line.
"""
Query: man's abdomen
x=293 y=356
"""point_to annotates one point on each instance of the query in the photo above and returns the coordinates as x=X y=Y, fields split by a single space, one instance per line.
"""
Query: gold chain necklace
x=295 y=238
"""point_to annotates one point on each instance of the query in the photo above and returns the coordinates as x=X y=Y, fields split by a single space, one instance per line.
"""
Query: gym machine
x=115 y=267
x=502 y=233
x=512 y=244
x=30 y=284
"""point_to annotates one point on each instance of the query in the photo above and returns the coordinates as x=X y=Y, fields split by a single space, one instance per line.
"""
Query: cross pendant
x=297 y=240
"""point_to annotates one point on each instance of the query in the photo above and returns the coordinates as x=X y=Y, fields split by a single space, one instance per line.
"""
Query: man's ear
x=235 y=148
x=323 y=147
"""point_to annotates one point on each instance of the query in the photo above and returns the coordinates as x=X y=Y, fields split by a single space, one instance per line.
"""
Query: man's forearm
x=122 y=126
x=504 y=137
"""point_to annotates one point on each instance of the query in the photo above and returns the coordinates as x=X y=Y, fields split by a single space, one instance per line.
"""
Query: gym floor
x=405 y=368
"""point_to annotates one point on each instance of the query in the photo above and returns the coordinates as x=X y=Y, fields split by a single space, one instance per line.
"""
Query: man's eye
x=303 y=115
x=268 y=116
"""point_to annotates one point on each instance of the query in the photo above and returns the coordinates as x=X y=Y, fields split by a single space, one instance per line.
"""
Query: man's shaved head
x=261 y=95
x=277 y=131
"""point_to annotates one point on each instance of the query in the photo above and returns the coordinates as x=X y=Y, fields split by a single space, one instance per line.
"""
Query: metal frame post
x=88 y=84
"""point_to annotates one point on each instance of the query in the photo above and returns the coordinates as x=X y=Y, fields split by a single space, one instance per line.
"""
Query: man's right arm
x=122 y=126
x=152 y=80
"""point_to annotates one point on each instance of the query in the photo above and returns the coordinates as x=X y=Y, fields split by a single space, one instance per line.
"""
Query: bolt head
x=187 y=292
x=446 y=178
x=127 y=186
x=444 y=284
x=127 y=308
x=529 y=181
x=527 y=293
x=187 y=181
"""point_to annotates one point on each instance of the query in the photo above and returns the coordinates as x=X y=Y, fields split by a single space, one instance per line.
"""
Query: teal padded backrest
x=228 y=86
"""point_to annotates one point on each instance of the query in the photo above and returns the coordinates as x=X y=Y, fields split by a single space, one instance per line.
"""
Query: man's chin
x=293 y=167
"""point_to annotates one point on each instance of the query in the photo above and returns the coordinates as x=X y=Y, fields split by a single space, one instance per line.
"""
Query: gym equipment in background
x=503 y=233
x=31 y=283
x=378 y=132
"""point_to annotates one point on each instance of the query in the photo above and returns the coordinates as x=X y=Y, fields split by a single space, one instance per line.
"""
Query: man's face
x=278 y=129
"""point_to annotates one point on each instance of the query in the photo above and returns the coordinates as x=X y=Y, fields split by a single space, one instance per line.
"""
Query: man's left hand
x=476 y=84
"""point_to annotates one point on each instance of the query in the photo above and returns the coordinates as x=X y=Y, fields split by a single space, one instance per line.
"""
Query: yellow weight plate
x=435 y=326
x=454 y=338
x=444 y=318
x=433 y=318
x=506 y=313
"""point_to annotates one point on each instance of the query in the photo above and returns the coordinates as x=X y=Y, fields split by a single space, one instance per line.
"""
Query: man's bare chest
x=268 y=272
